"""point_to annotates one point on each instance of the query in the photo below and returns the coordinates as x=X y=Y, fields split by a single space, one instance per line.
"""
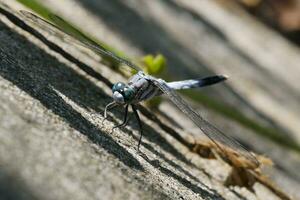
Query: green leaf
x=154 y=65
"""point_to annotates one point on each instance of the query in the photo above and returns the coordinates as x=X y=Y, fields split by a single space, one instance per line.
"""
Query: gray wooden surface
x=52 y=145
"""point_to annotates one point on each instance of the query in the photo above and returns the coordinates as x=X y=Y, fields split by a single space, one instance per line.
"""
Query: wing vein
x=212 y=132
x=68 y=32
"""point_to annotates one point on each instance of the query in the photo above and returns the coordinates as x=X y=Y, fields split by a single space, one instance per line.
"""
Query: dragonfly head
x=122 y=93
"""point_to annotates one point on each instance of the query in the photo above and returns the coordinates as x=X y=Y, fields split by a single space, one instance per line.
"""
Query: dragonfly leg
x=125 y=120
x=107 y=107
x=139 y=123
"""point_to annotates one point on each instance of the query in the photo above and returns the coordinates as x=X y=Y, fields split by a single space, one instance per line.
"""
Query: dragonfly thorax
x=122 y=93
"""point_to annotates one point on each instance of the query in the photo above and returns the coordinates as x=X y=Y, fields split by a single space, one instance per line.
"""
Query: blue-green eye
x=128 y=94
x=118 y=87
x=124 y=90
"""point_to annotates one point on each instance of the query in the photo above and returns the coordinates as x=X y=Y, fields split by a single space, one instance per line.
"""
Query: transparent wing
x=208 y=129
x=65 y=30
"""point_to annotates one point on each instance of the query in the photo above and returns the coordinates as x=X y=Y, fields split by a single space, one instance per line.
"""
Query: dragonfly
x=142 y=87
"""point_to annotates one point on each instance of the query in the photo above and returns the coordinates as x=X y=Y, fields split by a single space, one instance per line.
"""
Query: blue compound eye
x=118 y=87
x=128 y=94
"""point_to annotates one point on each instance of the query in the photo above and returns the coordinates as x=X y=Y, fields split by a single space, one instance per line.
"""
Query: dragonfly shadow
x=45 y=79
x=150 y=37
x=171 y=163
x=198 y=188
